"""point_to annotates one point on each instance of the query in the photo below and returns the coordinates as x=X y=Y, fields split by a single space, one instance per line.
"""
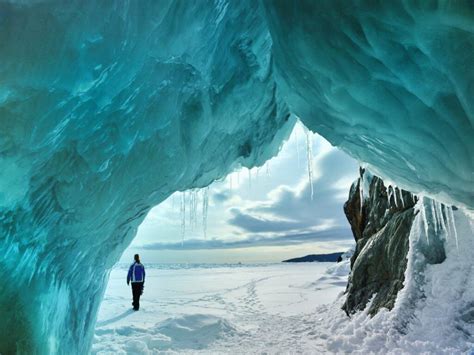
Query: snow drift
x=106 y=109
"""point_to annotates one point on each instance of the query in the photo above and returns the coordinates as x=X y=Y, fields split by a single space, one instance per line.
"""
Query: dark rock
x=381 y=225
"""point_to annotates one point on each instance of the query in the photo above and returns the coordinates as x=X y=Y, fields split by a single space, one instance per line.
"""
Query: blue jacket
x=136 y=273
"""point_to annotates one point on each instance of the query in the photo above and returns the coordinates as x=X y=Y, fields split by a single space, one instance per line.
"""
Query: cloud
x=256 y=223
x=337 y=234
x=289 y=208
x=268 y=206
x=221 y=196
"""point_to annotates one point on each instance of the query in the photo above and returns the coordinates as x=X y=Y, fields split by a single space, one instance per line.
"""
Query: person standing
x=136 y=275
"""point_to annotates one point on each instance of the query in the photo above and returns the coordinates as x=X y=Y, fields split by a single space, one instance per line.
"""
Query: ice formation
x=391 y=83
x=108 y=108
x=309 y=160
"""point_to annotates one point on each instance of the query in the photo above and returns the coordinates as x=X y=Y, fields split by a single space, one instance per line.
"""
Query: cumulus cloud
x=291 y=208
x=269 y=206
x=336 y=234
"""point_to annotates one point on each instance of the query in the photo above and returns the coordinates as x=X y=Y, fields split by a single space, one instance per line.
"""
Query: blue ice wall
x=106 y=108
x=389 y=82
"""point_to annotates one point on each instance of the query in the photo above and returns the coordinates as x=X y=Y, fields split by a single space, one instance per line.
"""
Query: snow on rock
x=433 y=313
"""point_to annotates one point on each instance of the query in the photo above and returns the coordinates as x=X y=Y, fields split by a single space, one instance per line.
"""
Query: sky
x=264 y=214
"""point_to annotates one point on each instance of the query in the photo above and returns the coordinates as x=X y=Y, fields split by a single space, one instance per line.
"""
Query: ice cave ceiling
x=106 y=108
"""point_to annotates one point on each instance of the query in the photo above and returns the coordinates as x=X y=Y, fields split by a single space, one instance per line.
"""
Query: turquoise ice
x=107 y=108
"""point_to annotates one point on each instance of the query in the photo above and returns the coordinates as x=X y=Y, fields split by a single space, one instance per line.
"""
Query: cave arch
x=106 y=109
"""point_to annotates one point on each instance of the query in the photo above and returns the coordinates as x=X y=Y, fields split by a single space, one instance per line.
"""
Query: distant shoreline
x=332 y=257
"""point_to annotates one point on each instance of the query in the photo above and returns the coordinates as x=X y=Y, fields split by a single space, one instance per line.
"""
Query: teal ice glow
x=106 y=108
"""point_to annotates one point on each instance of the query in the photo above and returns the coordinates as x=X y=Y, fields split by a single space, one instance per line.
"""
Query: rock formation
x=381 y=220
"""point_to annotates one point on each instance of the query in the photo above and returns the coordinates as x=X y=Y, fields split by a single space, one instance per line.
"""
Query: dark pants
x=137 y=288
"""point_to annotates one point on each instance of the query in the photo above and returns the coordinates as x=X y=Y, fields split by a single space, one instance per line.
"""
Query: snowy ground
x=294 y=308
x=220 y=309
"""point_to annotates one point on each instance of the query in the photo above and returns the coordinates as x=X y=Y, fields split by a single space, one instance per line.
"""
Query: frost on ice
x=106 y=114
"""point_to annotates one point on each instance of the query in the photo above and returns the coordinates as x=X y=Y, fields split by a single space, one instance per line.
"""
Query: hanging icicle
x=205 y=207
x=439 y=208
x=434 y=218
x=297 y=146
x=423 y=216
x=401 y=197
x=448 y=223
x=309 y=157
x=389 y=194
x=194 y=204
x=250 y=180
x=190 y=207
x=453 y=224
x=183 y=216
x=394 y=188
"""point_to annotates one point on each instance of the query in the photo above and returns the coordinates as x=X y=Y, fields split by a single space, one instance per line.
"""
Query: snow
x=217 y=308
x=294 y=308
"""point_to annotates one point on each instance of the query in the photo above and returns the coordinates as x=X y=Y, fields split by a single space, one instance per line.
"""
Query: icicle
x=250 y=179
x=190 y=207
x=439 y=209
x=193 y=209
x=423 y=216
x=395 y=196
x=309 y=157
x=205 y=207
x=388 y=196
x=401 y=197
x=434 y=217
x=434 y=206
x=297 y=147
x=450 y=210
x=183 y=216
x=448 y=224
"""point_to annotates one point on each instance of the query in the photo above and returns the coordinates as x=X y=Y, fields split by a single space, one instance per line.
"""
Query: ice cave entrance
x=290 y=205
x=221 y=247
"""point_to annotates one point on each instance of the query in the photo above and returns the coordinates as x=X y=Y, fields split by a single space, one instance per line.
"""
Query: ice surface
x=108 y=108
x=217 y=309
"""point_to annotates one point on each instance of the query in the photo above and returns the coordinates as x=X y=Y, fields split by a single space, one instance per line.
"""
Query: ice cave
x=107 y=108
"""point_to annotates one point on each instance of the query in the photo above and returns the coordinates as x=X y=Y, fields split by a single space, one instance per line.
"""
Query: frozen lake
x=218 y=309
